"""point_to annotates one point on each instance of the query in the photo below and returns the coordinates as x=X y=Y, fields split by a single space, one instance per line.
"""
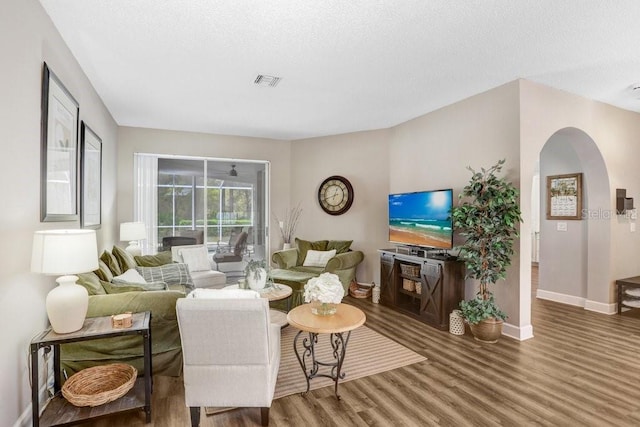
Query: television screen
x=421 y=219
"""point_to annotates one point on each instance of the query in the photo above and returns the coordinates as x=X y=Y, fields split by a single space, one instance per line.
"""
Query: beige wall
x=615 y=132
x=28 y=40
x=362 y=158
x=139 y=140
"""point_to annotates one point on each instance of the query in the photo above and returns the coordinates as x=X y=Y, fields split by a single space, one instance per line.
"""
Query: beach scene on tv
x=421 y=218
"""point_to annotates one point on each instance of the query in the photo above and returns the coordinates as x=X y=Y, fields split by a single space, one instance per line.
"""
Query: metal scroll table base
x=306 y=355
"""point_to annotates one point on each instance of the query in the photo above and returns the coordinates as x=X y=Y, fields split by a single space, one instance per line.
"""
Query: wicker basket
x=99 y=384
x=408 y=285
x=418 y=286
x=410 y=270
x=357 y=290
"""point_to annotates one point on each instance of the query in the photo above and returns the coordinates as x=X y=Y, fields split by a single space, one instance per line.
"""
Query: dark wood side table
x=346 y=319
x=622 y=285
x=61 y=412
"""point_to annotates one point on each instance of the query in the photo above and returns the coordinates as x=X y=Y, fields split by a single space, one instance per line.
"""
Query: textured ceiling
x=345 y=65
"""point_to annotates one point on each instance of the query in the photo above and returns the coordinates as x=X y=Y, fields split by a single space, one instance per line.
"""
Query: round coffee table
x=276 y=292
x=346 y=319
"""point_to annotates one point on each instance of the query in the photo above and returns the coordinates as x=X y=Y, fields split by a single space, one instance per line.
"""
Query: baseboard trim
x=561 y=298
x=601 y=307
x=520 y=333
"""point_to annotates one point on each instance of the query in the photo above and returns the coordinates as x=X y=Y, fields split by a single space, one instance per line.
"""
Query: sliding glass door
x=218 y=197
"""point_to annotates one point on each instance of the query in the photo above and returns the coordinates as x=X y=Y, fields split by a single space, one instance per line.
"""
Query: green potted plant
x=488 y=218
x=256 y=274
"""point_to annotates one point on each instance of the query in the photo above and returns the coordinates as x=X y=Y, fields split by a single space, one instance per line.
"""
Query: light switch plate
x=561 y=226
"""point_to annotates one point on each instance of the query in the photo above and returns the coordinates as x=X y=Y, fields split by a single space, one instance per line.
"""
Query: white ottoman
x=209 y=279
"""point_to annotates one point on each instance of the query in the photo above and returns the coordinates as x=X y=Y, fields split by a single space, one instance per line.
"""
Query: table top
x=272 y=293
x=96 y=327
x=346 y=318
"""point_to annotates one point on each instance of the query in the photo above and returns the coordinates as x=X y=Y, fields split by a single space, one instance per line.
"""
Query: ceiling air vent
x=264 y=80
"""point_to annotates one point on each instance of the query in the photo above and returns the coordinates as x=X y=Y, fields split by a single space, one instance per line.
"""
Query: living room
x=513 y=121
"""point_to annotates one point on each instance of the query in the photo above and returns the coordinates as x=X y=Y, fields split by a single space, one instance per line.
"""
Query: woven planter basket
x=99 y=384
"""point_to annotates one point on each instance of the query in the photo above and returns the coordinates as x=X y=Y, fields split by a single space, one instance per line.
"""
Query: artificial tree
x=488 y=217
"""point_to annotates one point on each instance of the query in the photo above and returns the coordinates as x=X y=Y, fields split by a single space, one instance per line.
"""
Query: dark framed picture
x=59 y=151
x=90 y=178
x=564 y=196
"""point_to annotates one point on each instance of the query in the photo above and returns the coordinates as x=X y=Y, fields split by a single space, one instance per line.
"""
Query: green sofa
x=107 y=298
x=291 y=270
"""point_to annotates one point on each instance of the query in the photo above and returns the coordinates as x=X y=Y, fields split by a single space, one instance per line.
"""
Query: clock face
x=335 y=195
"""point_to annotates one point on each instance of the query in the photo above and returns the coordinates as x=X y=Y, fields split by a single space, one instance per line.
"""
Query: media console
x=426 y=288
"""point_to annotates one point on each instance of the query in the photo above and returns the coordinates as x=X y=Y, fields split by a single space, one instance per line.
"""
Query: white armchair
x=200 y=266
x=230 y=351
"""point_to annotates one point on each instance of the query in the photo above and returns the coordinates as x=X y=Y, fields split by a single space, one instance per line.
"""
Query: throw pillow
x=305 y=245
x=161 y=258
x=341 y=246
x=201 y=293
x=111 y=262
x=197 y=258
x=103 y=272
x=172 y=274
x=124 y=258
x=91 y=282
x=318 y=258
x=130 y=276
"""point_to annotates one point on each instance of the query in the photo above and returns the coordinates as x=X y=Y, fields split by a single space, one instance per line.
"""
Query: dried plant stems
x=290 y=223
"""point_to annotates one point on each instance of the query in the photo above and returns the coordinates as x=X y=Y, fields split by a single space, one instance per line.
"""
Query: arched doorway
x=574 y=255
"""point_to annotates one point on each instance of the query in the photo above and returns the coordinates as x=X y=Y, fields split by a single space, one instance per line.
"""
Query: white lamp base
x=67 y=305
x=133 y=248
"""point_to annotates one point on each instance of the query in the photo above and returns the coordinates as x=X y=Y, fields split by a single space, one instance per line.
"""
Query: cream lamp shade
x=132 y=232
x=65 y=253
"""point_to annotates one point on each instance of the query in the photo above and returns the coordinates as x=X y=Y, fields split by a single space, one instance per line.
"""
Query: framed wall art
x=59 y=151
x=90 y=178
x=564 y=196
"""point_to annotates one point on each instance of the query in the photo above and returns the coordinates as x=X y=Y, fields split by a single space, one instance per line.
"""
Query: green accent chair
x=291 y=271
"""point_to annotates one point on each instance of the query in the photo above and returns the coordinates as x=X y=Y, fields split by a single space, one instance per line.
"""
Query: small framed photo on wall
x=564 y=196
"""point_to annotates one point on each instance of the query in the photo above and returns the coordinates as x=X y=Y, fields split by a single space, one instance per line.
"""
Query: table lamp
x=64 y=253
x=132 y=232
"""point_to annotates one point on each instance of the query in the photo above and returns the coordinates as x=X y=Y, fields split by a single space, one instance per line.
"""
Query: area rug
x=368 y=353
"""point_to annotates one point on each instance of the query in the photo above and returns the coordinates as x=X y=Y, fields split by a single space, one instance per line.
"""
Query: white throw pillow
x=130 y=276
x=223 y=294
x=197 y=258
x=318 y=258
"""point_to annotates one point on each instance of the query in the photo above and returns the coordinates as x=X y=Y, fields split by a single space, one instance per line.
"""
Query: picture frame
x=90 y=178
x=59 y=151
x=564 y=196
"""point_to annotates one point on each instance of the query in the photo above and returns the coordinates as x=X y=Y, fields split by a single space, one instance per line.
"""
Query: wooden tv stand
x=437 y=288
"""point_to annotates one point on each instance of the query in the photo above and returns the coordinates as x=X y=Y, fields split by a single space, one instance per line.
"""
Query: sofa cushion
x=124 y=258
x=172 y=274
x=91 y=282
x=103 y=272
x=318 y=258
x=111 y=262
x=341 y=246
x=161 y=258
x=315 y=271
x=305 y=245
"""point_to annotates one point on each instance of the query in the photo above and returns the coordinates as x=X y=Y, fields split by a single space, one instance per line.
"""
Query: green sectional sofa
x=292 y=271
x=108 y=297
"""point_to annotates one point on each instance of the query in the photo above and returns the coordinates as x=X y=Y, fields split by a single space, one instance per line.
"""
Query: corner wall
x=29 y=39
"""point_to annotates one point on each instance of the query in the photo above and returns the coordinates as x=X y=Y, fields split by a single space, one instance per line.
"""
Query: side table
x=346 y=319
x=61 y=412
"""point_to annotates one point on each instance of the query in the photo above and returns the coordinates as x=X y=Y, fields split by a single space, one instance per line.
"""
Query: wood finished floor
x=581 y=369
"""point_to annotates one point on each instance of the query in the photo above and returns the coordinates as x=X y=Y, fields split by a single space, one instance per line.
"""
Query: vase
x=257 y=280
x=323 y=308
x=488 y=330
x=286 y=246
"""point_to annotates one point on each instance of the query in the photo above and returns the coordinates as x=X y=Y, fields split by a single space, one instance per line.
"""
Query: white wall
x=139 y=140
x=28 y=39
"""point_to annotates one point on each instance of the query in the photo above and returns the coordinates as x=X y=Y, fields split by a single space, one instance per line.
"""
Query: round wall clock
x=335 y=195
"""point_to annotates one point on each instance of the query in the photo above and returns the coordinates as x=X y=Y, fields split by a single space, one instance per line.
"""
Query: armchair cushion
x=318 y=258
x=341 y=246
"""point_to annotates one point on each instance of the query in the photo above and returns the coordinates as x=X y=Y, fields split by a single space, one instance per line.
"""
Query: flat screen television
x=421 y=219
